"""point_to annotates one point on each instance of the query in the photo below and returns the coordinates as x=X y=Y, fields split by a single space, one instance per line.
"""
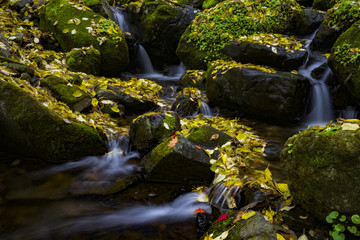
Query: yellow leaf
x=248 y=214
x=279 y=237
x=349 y=126
x=65 y=30
x=77 y=94
x=115 y=109
x=94 y=102
x=208 y=237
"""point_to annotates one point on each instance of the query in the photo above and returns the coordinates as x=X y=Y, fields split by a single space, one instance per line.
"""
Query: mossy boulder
x=307 y=21
x=208 y=137
x=77 y=26
x=337 y=20
x=322 y=165
x=212 y=29
x=253 y=228
x=151 y=129
x=87 y=60
x=274 y=50
x=257 y=91
x=62 y=90
x=31 y=129
x=175 y=160
x=101 y=7
x=185 y=106
x=344 y=60
x=193 y=78
x=164 y=22
x=16 y=67
x=210 y=3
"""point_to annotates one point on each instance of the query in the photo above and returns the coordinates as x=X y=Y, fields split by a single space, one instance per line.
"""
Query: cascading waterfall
x=219 y=196
x=120 y=19
x=145 y=61
x=206 y=110
x=321 y=107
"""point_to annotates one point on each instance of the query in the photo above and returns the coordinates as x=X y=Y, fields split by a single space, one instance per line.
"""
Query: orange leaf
x=198 y=147
x=199 y=210
x=173 y=142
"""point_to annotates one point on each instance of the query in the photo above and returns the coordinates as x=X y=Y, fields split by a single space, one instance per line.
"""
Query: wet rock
x=73 y=96
x=184 y=105
x=254 y=228
x=299 y=219
x=193 y=78
x=204 y=40
x=75 y=28
x=111 y=108
x=324 y=39
x=31 y=129
x=323 y=4
x=257 y=91
x=307 y=21
x=164 y=22
x=18 y=67
x=306 y=3
x=343 y=60
x=322 y=168
x=131 y=103
x=318 y=72
x=101 y=7
x=208 y=137
x=87 y=60
x=278 y=55
x=177 y=159
x=149 y=130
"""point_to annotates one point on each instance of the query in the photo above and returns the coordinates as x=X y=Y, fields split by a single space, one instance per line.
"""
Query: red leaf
x=199 y=210
x=223 y=217
x=198 y=147
x=173 y=136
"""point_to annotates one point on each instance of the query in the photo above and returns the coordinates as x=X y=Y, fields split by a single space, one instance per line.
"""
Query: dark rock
x=4 y=40
x=308 y=21
x=26 y=77
x=323 y=4
x=298 y=219
x=149 y=130
x=208 y=137
x=263 y=93
x=19 y=67
x=107 y=106
x=323 y=170
x=131 y=103
x=73 y=96
x=177 y=159
x=164 y=22
x=101 y=7
x=4 y=53
x=261 y=54
x=318 y=72
x=193 y=78
x=306 y=3
x=344 y=60
x=184 y=105
x=31 y=129
x=324 y=39
x=87 y=60
x=253 y=228
x=21 y=4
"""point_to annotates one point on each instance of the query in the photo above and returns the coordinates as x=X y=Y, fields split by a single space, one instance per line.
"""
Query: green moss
x=210 y=3
x=324 y=4
x=78 y=26
x=212 y=29
x=343 y=15
x=85 y=60
x=92 y=2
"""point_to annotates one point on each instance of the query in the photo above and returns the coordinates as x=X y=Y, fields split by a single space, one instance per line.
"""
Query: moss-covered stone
x=208 y=137
x=73 y=96
x=150 y=129
x=31 y=129
x=164 y=22
x=177 y=159
x=209 y=3
x=345 y=60
x=253 y=228
x=87 y=60
x=323 y=170
x=212 y=29
x=193 y=78
x=324 y=4
x=77 y=26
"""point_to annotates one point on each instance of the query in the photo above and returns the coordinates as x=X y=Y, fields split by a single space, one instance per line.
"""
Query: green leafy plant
x=341 y=223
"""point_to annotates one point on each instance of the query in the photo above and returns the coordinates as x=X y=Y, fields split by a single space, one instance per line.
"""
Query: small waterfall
x=321 y=107
x=349 y=113
x=220 y=196
x=120 y=19
x=145 y=61
x=205 y=109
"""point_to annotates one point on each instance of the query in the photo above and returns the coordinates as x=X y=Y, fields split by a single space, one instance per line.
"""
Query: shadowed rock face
x=31 y=129
x=323 y=170
x=277 y=96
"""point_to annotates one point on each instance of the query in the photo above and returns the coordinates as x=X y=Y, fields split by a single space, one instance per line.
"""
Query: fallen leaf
x=279 y=237
x=198 y=147
x=166 y=126
x=173 y=136
x=350 y=126
x=77 y=94
x=173 y=142
x=199 y=210
x=223 y=217
x=248 y=214
x=214 y=137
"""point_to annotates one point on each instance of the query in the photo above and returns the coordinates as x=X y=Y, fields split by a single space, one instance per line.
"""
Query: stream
x=60 y=202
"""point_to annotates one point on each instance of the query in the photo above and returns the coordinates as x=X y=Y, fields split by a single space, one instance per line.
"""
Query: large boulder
x=62 y=90
x=337 y=20
x=208 y=137
x=322 y=165
x=258 y=91
x=31 y=129
x=175 y=160
x=272 y=50
x=149 y=130
x=212 y=29
x=255 y=227
x=164 y=22
x=344 y=60
x=77 y=26
x=87 y=60
x=324 y=4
